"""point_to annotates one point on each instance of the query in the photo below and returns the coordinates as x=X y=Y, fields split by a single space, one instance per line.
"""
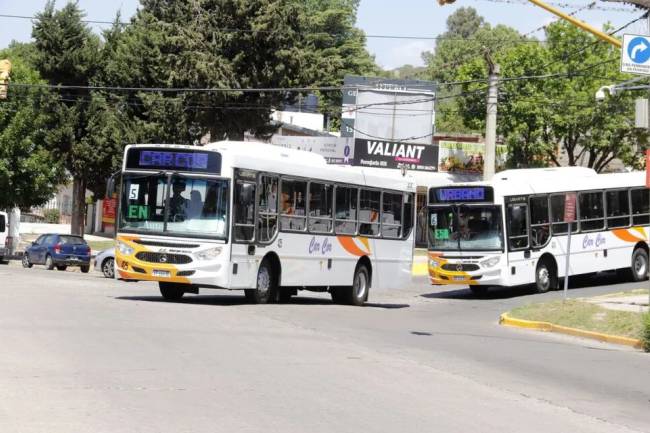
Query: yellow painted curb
x=420 y=269
x=550 y=327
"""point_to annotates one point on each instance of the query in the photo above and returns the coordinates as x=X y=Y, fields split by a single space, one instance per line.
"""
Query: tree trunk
x=78 y=207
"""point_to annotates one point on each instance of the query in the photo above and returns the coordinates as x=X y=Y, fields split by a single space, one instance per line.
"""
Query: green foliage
x=29 y=172
x=645 y=332
x=52 y=216
x=541 y=117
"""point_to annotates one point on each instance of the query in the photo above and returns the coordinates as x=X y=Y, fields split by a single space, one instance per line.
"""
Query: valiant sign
x=386 y=154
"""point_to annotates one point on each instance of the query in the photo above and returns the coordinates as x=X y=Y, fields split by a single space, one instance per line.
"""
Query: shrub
x=51 y=216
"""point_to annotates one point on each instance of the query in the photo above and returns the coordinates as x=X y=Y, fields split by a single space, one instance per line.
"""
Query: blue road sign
x=639 y=50
x=635 y=54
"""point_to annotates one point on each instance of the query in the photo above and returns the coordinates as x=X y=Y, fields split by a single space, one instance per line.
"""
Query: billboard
x=387 y=154
x=336 y=150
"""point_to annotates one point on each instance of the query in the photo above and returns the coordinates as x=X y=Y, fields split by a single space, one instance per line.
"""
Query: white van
x=4 y=233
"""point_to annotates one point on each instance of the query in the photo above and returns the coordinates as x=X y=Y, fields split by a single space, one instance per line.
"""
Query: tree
x=541 y=118
x=29 y=172
x=68 y=54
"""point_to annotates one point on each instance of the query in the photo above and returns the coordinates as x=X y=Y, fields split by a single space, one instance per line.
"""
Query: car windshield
x=465 y=228
x=178 y=205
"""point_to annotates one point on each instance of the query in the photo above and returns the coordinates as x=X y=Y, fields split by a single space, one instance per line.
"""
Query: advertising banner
x=109 y=206
x=385 y=154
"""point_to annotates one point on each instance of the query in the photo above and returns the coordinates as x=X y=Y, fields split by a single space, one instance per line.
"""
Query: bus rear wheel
x=545 y=276
x=639 y=265
x=357 y=294
x=171 y=291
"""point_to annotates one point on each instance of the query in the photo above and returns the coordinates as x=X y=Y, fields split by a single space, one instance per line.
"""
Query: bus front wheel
x=545 y=276
x=171 y=291
x=640 y=265
x=265 y=291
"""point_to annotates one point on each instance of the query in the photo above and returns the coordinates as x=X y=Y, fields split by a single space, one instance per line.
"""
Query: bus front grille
x=172 y=259
x=460 y=267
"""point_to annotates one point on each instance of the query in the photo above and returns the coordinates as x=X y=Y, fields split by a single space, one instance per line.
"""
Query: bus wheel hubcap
x=543 y=277
x=640 y=266
x=263 y=281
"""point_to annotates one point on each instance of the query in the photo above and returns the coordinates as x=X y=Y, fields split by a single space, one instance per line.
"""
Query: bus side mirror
x=110 y=185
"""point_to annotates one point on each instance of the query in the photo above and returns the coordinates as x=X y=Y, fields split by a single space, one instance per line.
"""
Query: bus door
x=519 y=268
x=243 y=269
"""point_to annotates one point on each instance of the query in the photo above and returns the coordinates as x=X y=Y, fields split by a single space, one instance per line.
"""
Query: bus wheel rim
x=263 y=281
x=543 y=277
x=640 y=266
x=361 y=285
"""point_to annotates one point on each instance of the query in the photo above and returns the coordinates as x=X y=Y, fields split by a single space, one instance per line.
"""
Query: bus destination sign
x=176 y=160
x=461 y=194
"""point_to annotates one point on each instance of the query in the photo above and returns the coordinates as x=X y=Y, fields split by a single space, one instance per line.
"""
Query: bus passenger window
x=292 y=205
x=391 y=215
x=320 y=207
x=591 y=211
x=640 y=206
x=346 y=210
x=557 y=215
x=267 y=208
x=618 y=208
x=517 y=226
x=369 y=212
x=539 y=221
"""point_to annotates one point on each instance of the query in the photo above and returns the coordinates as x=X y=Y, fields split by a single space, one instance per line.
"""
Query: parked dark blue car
x=58 y=251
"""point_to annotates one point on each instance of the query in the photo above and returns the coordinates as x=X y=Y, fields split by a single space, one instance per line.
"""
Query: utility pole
x=489 y=160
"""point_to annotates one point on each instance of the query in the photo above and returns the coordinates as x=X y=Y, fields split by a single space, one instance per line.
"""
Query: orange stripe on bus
x=350 y=246
x=625 y=235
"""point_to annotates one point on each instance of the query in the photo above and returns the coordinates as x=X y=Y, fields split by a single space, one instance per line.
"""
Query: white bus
x=263 y=219
x=510 y=231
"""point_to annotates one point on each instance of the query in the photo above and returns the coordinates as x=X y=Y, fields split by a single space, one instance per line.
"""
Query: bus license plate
x=157 y=273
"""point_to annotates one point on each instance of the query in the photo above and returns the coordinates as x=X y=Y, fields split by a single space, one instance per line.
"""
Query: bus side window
x=539 y=221
x=640 y=206
x=369 y=212
x=517 y=226
x=618 y=208
x=293 y=205
x=592 y=213
x=391 y=215
x=320 y=207
x=557 y=215
x=346 y=210
x=244 y=216
x=267 y=208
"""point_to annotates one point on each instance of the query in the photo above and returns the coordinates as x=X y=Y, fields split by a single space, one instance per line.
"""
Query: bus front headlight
x=210 y=254
x=491 y=262
x=124 y=249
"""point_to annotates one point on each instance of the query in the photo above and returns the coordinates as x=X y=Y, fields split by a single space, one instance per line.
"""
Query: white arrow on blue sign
x=635 y=54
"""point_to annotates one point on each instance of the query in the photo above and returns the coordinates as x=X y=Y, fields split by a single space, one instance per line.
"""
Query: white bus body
x=469 y=245
x=4 y=234
x=312 y=225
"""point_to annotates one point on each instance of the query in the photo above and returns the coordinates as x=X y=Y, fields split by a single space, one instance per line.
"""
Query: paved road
x=83 y=354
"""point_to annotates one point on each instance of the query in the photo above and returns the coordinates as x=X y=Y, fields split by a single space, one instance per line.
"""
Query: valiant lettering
x=397 y=150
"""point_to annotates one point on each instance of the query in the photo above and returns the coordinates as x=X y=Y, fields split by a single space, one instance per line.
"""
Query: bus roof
x=559 y=179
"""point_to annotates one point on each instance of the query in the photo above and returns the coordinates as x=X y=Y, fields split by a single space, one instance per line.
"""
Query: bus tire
x=266 y=289
x=545 y=276
x=479 y=291
x=171 y=291
x=639 y=266
x=358 y=293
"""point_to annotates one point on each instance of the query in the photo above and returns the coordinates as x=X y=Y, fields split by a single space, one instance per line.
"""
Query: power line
x=565 y=5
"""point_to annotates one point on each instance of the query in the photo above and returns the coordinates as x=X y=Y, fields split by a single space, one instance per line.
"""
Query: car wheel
x=85 y=268
x=49 y=263
x=266 y=290
x=171 y=291
x=545 y=277
x=108 y=267
x=640 y=265
x=61 y=267
x=25 y=261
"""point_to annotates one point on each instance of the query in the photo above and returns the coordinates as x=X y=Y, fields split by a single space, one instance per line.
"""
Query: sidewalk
x=631 y=302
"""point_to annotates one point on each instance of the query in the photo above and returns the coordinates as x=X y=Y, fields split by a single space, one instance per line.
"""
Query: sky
x=421 y=18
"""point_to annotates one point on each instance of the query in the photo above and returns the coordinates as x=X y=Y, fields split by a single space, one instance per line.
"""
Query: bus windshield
x=176 y=205
x=458 y=227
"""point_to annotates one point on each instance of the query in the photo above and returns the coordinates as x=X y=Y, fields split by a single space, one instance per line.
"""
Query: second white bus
x=511 y=231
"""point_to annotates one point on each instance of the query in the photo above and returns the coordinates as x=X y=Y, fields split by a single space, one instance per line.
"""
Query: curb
x=506 y=320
